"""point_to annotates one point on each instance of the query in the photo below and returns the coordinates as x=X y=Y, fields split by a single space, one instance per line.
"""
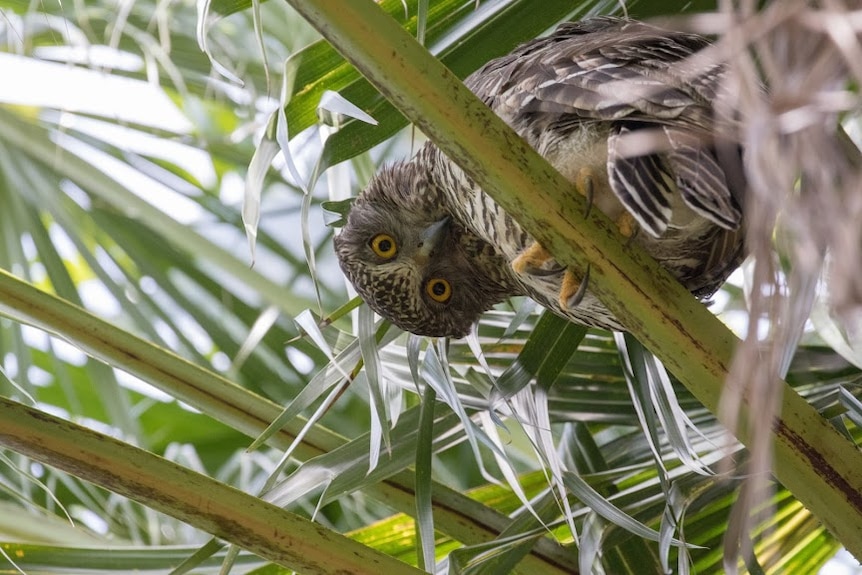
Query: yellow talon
x=533 y=258
x=570 y=288
x=627 y=224
x=573 y=289
x=534 y=261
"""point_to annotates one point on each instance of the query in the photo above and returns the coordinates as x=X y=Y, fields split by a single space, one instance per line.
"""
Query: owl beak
x=429 y=239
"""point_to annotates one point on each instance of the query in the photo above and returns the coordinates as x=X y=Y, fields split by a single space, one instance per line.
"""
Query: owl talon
x=572 y=291
x=584 y=186
x=533 y=260
x=627 y=225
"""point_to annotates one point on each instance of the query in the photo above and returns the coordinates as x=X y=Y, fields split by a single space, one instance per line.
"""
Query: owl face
x=412 y=263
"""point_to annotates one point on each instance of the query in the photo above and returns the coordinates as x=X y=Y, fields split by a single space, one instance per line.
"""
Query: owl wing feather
x=626 y=76
x=632 y=175
x=701 y=180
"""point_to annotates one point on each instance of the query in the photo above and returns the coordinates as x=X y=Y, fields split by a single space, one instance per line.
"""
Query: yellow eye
x=439 y=290
x=384 y=246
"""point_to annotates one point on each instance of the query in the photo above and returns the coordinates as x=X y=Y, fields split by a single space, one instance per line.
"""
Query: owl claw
x=584 y=185
x=572 y=291
x=627 y=225
x=533 y=260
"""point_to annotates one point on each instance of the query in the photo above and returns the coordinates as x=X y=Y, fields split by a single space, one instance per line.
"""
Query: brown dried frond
x=791 y=69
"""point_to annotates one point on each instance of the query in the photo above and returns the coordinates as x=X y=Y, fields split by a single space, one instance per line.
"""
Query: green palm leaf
x=122 y=236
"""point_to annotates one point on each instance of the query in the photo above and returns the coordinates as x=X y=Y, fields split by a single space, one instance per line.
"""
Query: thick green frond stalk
x=199 y=500
x=455 y=514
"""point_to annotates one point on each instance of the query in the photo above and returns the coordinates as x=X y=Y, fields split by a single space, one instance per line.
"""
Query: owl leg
x=533 y=261
x=572 y=291
x=627 y=225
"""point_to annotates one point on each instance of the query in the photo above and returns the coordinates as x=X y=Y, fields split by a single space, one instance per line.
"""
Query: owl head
x=412 y=262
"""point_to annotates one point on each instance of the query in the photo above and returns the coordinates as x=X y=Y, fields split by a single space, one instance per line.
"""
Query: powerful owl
x=426 y=248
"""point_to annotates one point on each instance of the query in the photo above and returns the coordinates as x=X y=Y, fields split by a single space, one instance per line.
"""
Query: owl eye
x=384 y=246
x=439 y=290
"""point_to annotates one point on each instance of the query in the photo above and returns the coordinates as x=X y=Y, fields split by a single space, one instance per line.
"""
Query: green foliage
x=179 y=345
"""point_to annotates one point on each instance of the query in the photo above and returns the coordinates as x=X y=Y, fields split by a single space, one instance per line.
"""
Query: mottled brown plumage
x=573 y=96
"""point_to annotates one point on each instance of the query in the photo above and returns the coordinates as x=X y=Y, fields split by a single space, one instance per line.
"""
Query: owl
x=428 y=249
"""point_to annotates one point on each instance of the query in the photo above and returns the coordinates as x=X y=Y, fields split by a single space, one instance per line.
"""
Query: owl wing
x=626 y=77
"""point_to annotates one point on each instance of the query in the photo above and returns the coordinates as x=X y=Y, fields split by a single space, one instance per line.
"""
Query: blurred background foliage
x=126 y=152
